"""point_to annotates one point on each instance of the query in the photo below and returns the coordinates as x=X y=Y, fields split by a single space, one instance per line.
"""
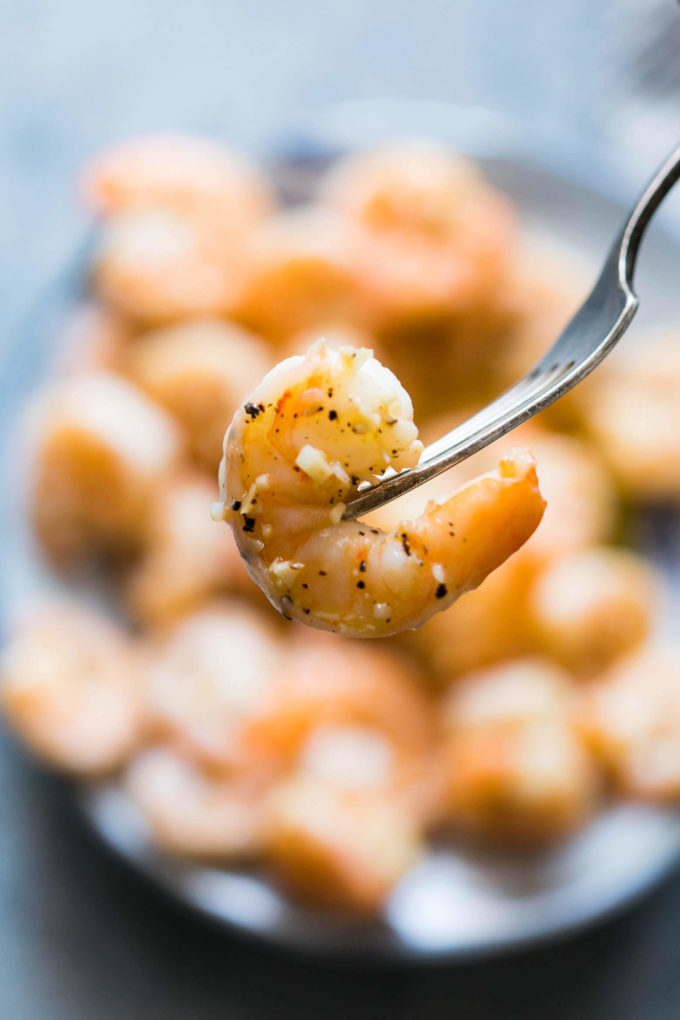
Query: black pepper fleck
x=360 y=584
x=236 y=505
x=405 y=544
x=362 y=567
x=440 y=591
x=332 y=415
x=254 y=409
x=248 y=523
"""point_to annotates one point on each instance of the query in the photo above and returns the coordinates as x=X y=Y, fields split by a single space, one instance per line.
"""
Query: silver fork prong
x=592 y=333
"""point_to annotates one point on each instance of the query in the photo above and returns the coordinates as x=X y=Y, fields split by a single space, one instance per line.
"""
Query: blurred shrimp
x=199 y=371
x=432 y=234
x=187 y=173
x=206 y=677
x=514 y=766
x=337 y=850
x=315 y=428
x=324 y=680
x=70 y=687
x=303 y=276
x=353 y=714
x=591 y=606
x=634 y=416
x=195 y=814
x=630 y=718
x=186 y=558
x=100 y=449
x=160 y=265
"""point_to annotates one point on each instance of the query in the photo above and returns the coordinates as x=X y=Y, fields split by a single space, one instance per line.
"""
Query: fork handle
x=649 y=201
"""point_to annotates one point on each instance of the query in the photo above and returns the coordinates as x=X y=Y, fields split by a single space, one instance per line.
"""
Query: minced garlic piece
x=336 y=513
x=313 y=462
x=283 y=572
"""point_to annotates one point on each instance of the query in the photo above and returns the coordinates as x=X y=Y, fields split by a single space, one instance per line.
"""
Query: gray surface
x=76 y=73
x=81 y=940
x=78 y=938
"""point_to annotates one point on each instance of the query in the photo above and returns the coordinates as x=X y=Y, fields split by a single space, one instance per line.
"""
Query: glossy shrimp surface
x=309 y=435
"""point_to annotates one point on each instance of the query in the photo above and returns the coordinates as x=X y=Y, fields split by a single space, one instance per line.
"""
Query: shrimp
x=159 y=265
x=630 y=718
x=432 y=235
x=69 y=686
x=206 y=678
x=514 y=766
x=196 y=814
x=176 y=171
x=303 y=275
x=313 y=431
x=634 y=416
x=325 y=681
x=186 y=557
x=338 y=850
x=198 y=370
x=100 y=449
x=590 y=607
x=358 y=713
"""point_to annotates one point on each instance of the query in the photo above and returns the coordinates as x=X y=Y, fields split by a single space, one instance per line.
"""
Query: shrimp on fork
x=317 y=427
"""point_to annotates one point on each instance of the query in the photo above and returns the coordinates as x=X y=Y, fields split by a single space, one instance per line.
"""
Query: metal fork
x=592 y=333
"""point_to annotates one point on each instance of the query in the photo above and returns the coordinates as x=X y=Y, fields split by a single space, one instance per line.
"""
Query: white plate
x=454 y=904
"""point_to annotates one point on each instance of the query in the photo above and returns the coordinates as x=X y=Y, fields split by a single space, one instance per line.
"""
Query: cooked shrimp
x=592 y=606
x=101 y=448
x=159 y=265
x=207 y=676
x=433 y=236
x=195 y=814
x=634 y=416
x=177 y=171
x=327 y=681
x=303 y=276
x=315 y=428
x=337 y=704
x=199 y=371
x=339 y=850
x=515 y=768
x=186 y=558
x=70 y=687
x=631 y=720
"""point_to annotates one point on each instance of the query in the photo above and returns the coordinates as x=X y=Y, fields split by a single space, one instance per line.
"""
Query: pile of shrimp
x=332 y=341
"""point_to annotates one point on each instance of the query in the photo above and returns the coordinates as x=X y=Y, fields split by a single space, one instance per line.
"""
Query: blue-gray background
x=78 y=938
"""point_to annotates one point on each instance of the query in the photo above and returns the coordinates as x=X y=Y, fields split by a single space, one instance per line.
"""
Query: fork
x=594 y=330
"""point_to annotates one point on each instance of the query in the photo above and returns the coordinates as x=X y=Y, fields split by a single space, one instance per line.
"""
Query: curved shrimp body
x=313 y=431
